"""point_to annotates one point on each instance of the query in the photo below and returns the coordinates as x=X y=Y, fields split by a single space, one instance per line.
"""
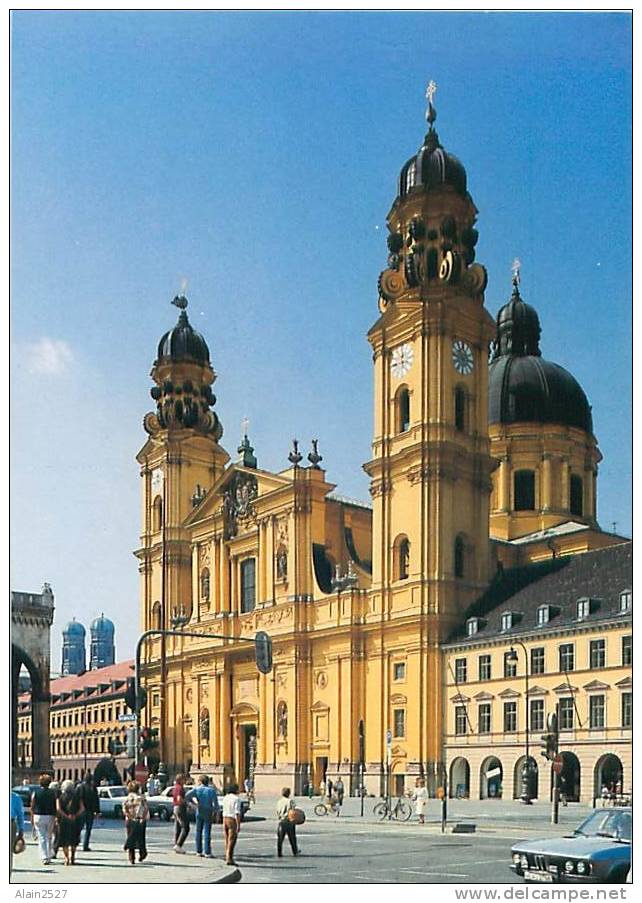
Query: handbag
x=297 y=816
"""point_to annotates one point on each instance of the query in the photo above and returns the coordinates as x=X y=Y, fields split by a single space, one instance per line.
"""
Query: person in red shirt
x=181 y=816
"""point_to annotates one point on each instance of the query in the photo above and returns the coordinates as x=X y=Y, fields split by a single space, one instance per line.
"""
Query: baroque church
x=483 y=461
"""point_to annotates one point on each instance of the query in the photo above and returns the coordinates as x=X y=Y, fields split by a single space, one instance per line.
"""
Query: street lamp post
x=525 y=796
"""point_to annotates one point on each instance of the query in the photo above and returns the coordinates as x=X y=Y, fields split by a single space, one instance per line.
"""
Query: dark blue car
x=598 y=851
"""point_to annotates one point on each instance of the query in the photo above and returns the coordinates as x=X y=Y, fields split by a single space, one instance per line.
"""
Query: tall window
x=510 y=666
x=536 y=715
x=483 y=720
x=626 y=598
x=510 y=717
x=205 y=584
x=627 y=710
x=460 y=719
x=567 y=714
x=567 y=657
x=627 y=650
x=524 y=490
x=507 y=620
x=596 y=711
x=484 y=667
x=402 y=410
x=460 y=409
x=459 y=557
x=248 y=584
x=597 y=653
x=577 y=495
x=537 y=660
x=399 y=722
x=399 y=671
x=583 y=609
x=461 y=670
x=472 y=626
x=402 y=558
x=543 y=614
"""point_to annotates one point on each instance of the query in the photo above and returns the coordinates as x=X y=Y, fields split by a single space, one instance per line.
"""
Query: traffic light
x=263 y=652
x=550 y=740
x=130 y=742
x=130 y=695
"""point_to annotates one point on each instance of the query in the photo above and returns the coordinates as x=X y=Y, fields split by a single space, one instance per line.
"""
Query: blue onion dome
x=522 y=385
x=73 y=629
x=183 y=342
x=102 y=626
x=432 y=166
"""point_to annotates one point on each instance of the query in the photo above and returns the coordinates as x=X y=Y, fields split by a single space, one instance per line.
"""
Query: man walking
x=17 y=825
x=285 y=827
x=207 y=808
x=338 y=789
x=43 y=815
x=89 y=797
x=181 y=815
x=231 y=821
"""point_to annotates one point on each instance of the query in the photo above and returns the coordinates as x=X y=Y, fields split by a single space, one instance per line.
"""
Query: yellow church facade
x=359 y=598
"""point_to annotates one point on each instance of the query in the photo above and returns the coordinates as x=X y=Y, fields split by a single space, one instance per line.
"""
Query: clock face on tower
x=157 y=480
x=402 y=358
x=462 y=357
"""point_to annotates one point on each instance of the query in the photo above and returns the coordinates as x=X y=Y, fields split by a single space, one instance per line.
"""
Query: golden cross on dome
x=516 y=269
x=430 y=90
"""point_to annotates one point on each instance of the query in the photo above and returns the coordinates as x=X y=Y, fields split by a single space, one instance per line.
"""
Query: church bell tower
x=431 y=467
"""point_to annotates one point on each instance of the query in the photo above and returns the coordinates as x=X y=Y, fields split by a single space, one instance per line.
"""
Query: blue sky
x=256 y=155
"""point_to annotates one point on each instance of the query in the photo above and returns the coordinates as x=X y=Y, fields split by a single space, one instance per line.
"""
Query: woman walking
x=181 y=814
x=420 y=797
x=70 y=811
x=136 y=817
x=43 y=816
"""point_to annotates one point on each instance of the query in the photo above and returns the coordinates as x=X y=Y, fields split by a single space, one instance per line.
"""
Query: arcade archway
x=491 y=776
x=608 y=773
x=459 y=785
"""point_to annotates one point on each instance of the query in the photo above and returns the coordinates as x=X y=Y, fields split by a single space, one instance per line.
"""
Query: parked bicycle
x=399 y=809
x=326 y=807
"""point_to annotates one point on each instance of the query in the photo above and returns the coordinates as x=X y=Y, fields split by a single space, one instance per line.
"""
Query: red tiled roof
x=90 y=679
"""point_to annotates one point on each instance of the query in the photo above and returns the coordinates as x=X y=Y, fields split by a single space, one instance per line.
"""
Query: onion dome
x=73 y=629
x=102 y=626
x=432 y=166
x=522 y=385
x=183 y=342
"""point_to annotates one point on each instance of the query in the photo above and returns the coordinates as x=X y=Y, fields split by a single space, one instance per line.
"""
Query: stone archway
x=569 y=781
x=608 y=773
x=491 y=776
x=459 y=784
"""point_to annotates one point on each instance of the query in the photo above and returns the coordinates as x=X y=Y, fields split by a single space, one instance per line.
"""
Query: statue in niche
x=205 y=585
x=282 y=720
x=282 y=564
x=204 y=725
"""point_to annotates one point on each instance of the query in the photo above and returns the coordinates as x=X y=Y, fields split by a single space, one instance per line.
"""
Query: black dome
x=183 y=342
x=431 y=167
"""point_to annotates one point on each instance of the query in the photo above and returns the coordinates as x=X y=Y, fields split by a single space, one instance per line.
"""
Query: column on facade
x=504 y=484
x=196 y=589
x=224 y=718
x=590 y=474
x=269 y=558
x=40 y=748
x=263 y=719
x=546 y=484
x=223 y=578
x=235 y=600
x=262 y=577
x=564 y=483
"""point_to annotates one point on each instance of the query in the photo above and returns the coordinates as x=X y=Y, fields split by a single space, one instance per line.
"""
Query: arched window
x=401 y=558
x=460 y=409
x=577 y=495
x=411 y=175
x=205 y=584
x=156 y=616
x=157 y=516
x=525 y=490
x=459 y=557
x=402 y=410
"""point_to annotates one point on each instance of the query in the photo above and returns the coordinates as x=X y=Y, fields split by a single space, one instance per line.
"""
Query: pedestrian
x=231 y=821
x=70 y=814
x=207 y=808
x=285 y=827
x=328 y=788
x=322 y=788
x=420 y=797
x=89 y=796
x=55 y=841
x=310 y=790
x=43 y=816
x=249 y=791
x=339 y=791
x=136 y=813
x=153 y=786
x=17 y=825
x=181 y=814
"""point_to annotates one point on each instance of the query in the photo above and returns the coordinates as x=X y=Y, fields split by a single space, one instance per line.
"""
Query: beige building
x=569 y=621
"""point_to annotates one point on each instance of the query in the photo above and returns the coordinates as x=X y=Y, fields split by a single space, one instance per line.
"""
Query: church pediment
x=596 y=685
x=508 y=694
x=483 y=695
x=234 y=494
x=537 y=691
x=624 y=684
x=564 y=688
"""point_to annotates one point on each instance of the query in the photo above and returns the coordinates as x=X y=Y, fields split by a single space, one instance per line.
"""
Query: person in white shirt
x=285 y=827
x=231 y=821
x=420 y=797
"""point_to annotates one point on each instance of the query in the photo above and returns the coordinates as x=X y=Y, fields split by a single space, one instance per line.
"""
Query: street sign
x=558 y=764
x=127 y=717
x=141 y=773
x=388 y=738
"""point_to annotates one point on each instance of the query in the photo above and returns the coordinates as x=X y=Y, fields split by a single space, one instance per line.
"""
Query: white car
x=111 y=799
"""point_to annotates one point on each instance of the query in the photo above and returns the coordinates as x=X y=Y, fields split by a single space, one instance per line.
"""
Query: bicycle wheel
x=403 y=810
x=380 y=811
x=320 y=809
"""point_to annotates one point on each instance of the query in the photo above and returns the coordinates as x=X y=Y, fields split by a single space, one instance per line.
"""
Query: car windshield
x=118 y=791
x=615 y=824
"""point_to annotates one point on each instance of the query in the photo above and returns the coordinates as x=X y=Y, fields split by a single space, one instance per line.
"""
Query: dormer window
x=472 y=626
x=507 y=620
x=543 y=614
x=626 y=600
x=583 y=609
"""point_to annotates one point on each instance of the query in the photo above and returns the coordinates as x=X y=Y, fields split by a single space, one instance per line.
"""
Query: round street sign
x=141 y=773
x=558 y=764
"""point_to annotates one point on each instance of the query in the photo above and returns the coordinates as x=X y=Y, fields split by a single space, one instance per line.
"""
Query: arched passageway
x=608 y=773
x=491 y=776
x=570 y=777
x=459 y=785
